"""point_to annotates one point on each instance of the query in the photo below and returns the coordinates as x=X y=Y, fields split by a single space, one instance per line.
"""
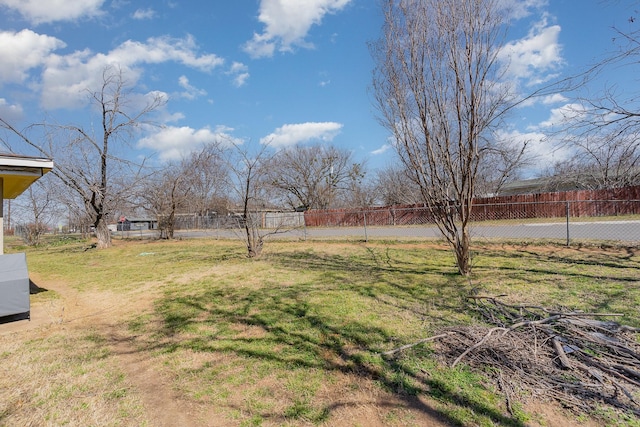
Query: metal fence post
x=366 y=238
x=567 y=212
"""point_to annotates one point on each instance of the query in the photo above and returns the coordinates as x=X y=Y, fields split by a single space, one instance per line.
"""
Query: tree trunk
x=463 y=253
x=171 y=225
x=103 y=234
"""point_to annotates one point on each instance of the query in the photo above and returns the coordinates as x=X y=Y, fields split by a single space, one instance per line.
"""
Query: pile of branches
x=579 y=359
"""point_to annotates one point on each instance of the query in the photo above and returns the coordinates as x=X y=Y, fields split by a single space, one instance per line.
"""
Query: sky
x=284 y=72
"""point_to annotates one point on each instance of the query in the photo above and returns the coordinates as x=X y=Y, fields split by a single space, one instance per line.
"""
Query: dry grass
x=68 y=378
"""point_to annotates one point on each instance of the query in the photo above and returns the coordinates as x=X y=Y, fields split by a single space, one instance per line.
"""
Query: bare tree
x=437 y=86
x=394 y=186
x=164 y=194
x=602 y=129
x=206 y=173
x=603 y=134
x=249 y=180
x=86 y=161
x=194 y=185
x=360 y=192
x=313 y=177
x=36 y=210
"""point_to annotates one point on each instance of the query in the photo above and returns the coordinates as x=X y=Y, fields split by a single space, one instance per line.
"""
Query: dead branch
x=564 y=360
x=407 y=346
x=569 y=356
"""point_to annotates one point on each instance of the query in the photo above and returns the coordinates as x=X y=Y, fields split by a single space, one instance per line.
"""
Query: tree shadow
x=291 y=329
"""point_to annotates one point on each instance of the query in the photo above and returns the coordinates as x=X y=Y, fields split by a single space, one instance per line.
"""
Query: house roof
x=19 y=172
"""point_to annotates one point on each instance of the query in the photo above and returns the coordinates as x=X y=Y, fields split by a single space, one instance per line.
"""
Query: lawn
x=295 y=337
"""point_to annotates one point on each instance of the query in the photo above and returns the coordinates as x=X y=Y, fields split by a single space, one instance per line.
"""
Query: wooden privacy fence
x=582 y=203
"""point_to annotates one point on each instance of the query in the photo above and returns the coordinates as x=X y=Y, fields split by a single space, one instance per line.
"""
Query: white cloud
x=22 y=51
x=518 y=9
x=288 y=135
x=144 y=14
x=10 y=112
x=534 y=57
x=190 y=92
x=173 y=143
x=39 y=11
x=543 y=150
x=287 y=23
x=67 y=77
x=382 y=150
x=561 y=115
x=163 y=49
x=240 y=73
x=554 y=99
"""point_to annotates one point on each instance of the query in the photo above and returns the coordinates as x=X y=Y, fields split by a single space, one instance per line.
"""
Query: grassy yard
x=294 y=338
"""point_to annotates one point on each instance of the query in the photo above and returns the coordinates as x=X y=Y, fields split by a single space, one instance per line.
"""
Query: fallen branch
x=404 y=347
x=478 y=344
x=562 y=356
x=573 y=357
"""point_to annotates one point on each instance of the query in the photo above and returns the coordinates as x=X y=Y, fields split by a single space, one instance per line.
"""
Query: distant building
x=136 y=224
x=540 y=185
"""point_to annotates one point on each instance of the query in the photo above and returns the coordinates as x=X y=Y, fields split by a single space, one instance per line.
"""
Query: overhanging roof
x=19 y=172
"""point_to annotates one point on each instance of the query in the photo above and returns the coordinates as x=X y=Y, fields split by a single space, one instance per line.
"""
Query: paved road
x=624 y=231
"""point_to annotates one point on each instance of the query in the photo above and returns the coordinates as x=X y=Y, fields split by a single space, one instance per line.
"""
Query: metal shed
x=14 y=285
x=17 y=173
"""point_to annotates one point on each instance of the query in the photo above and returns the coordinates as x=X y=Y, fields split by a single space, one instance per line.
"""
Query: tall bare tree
x=312 y=177
x=437 y=87
x=87 y=161
x=249 y=180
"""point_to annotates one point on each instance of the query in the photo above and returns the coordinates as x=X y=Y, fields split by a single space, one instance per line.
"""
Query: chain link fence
x=567 y=221
x=562 y=221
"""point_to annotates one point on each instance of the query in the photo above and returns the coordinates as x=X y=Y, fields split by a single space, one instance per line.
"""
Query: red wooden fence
x=582 y=203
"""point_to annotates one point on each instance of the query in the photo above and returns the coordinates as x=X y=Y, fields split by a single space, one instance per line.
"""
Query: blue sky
x=283 y=71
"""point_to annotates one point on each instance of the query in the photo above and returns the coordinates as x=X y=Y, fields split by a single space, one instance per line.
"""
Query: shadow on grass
x=595 y=281
x=618 y=268
x=333 y=323
x=387 y=278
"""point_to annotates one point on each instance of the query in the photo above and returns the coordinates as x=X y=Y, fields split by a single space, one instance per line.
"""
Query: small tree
x=164 y=194
x=249 y=179
x=192 y=186
x=36 y=208
x=394 y=186
x=437 y=87
x=206 y=175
